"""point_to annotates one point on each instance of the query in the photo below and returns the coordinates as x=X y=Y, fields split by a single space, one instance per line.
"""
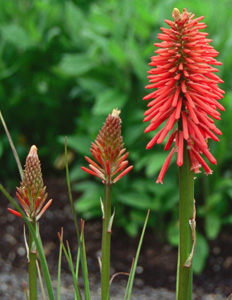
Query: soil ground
x=157 y=262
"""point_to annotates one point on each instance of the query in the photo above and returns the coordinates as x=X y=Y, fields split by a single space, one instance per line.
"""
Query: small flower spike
x=32 y=192
x=187 y=92
x=108 y=152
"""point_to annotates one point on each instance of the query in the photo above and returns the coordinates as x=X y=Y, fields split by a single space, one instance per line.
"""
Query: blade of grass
x=77 y=266
x=85 y=273
x=116 y=274
x=134 y=264
x=25 y=291
x=59 y=267
x=70 y=263
x=12 y=146
x=77 y=263
x=75 y=279
x=40 y=281
x=82 y=254
x=38 y=243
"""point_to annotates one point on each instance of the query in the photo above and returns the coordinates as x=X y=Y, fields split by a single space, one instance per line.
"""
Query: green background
x=64 y=65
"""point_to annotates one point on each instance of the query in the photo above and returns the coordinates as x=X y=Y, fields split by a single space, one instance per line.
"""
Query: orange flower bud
x=109 y=152
x=32 y=192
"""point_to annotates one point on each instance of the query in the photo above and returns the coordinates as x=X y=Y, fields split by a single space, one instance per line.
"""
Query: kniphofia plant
x=186 y=99
x=110 y=165
x=32 y=196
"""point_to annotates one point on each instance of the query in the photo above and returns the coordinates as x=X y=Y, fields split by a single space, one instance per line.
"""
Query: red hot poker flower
x=186 y=94
x=108 y=152
x=32 y=192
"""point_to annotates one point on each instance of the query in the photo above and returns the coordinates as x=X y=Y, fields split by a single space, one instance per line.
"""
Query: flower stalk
x=106 y=241
x=186 y=214
x=32 y=271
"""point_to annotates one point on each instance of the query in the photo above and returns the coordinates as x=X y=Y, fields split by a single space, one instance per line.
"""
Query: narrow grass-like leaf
x=77 y=265
x=230 y=297
x=25 y=291
x=134 y=264
x=12 y=146
x=59 y=267
x=38 y=243
x=82 y=255
x=25 y=242
x=40 y=281
x=78 y=262
x=75 y=278
x=70 y=263
x=116 y=274
x=85 y=267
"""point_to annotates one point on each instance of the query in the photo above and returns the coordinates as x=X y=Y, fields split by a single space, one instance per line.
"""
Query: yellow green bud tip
x=116 y=112
x=33 y=151
x=176 y=14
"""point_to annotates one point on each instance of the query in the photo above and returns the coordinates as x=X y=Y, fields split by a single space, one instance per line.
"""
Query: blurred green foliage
x=64 y=65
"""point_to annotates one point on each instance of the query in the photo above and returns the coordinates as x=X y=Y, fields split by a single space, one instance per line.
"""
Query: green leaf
x=93 y=85
x=136 y=200
x=133 y=133
x=131 y=228
x=80 y=144
x=87 y=186
x=212 y=225
x=17 y=36
x=88 y=204
x=77 y=173
x=155 y=163
x=134 y=57
x=227 y=220
x=213 y=200
x=108 y=100
x=200 y=255
x=100 y=23
x=117 y=53
x=74 y=65
x=74 y=19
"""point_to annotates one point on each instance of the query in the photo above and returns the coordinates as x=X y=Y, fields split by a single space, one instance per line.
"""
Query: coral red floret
x=185 y=101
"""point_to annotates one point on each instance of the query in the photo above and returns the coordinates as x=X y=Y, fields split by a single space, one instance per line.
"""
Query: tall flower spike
x=187 y=94
x=32 y=192
x=108 y=152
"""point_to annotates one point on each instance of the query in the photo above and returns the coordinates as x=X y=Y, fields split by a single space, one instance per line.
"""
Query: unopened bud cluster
x=109 y=152
x=32 y=192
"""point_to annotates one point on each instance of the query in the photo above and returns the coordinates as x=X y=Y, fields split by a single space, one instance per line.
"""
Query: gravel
x=11 y=288
x=156 y=267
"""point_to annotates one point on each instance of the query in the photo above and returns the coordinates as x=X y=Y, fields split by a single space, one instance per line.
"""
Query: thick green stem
x=186 y=213
x=106 y=237
x=32 y=266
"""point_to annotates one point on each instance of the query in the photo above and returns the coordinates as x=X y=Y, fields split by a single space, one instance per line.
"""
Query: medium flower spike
x=32 y=192
x=110 y=163
x=186 y=98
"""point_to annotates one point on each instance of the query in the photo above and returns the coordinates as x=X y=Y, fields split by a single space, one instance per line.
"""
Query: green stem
x=32 y=265
x=106 y=236
x=186 y=212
